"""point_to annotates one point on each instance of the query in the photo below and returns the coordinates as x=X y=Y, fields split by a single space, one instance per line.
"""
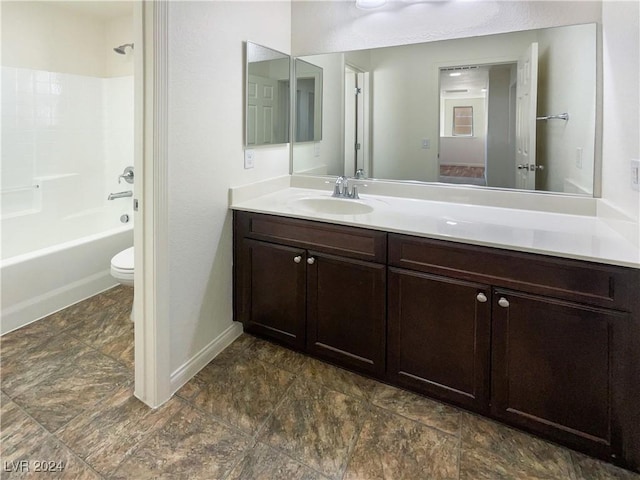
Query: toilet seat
x=123 y=261
x=122 y=266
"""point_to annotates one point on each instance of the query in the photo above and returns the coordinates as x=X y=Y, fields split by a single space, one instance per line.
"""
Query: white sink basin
x=333 y=206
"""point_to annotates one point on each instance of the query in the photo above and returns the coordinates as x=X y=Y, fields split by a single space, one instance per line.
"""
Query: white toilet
x=122 y=268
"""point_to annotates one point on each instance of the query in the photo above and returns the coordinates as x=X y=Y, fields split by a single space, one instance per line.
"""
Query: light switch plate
x=635 y=174
x=249 y=159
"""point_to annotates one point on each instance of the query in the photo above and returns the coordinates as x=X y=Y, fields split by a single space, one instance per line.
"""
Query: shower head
x=121 y=48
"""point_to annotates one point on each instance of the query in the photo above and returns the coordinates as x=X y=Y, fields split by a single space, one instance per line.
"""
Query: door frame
x=151 y=312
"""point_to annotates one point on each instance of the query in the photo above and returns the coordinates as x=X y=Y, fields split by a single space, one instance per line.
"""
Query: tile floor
x=257 y=411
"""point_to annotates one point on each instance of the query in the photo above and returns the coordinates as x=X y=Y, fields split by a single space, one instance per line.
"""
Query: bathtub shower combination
x=66 y=140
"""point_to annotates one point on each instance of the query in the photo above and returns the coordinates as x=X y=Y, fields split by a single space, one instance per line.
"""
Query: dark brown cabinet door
x=346 y=311
x=438 y=336
x=554 y=369
x=273 y=286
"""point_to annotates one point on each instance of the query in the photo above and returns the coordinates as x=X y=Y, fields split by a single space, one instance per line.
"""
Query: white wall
x=206 y=124
x=464 y=150
x=621 y=98
x=501 y=152
x=326 y=26
x=566 y=56
x=67 y=37
x=118 y=31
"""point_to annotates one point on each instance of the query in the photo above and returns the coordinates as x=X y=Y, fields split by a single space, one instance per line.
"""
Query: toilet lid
x=123 y=260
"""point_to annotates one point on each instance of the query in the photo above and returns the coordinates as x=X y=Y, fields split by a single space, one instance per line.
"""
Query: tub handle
x=127 y=175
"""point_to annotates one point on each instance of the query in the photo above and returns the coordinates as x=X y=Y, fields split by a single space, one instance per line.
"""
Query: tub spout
x=113 y=196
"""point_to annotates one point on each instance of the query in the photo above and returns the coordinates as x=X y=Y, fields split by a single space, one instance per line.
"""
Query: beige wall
x=562 y=87
x=57 y=37
x=206 y=131
x=621 y=99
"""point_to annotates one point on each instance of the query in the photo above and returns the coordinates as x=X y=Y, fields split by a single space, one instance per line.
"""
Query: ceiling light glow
x=369 y=4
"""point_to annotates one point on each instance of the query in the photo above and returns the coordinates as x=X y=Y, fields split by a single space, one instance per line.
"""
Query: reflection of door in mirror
x=526 y=105
x=305 y=109
x=308 y=102
x=267 y=96
x=356 y=144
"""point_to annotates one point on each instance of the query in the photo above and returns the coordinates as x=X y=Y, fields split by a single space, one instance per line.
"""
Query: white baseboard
x=35 y=308
x=187 y=371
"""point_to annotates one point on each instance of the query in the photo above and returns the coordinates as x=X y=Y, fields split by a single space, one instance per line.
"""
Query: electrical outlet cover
x=249 y=159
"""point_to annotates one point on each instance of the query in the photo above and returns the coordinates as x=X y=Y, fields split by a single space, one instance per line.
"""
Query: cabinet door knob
x=297 y=258
x=311 y=260
x=481 y=297
x=503 y=302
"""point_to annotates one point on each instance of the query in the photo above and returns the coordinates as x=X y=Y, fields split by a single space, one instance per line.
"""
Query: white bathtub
x=37 y=280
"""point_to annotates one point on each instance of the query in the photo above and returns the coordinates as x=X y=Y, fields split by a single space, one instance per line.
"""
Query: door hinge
x=358 y=90
x=357 y=146
x=135 y=204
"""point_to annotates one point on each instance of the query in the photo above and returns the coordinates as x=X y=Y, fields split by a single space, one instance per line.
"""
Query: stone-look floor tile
x=391 y=447
x=119 y=293
x=264 y=463
x=23 y=443
x=491 y=450
x=76 y=314
x=26 y=460
x=240 y=390
x=235 y=350
x=72 y=389
x=25 y=338
x=104 y=327
x=316 y=426
x=191 y=446
x=422 y=409
x=337 y=379
x=279 y=356
x=243 y=342
x=591 y=469
x=21 y=372
x=104 y=437
x=16 y=427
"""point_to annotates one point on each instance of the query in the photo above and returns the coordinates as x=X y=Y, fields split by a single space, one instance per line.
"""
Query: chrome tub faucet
x=113 y=196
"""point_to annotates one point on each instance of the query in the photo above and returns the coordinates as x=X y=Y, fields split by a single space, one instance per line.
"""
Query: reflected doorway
x=477 y=124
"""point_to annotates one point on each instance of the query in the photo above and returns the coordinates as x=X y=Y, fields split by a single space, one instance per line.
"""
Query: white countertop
x=558 y=234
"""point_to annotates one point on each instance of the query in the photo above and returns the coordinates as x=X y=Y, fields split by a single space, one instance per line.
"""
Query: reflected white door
x=350 y=121
x=262 y=97
x=527 y=98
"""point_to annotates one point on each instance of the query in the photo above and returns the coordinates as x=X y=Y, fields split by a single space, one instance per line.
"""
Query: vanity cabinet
x=560 y=336
x=547 y=344
x=557 y=371
x=315 y=287
x=439 y=335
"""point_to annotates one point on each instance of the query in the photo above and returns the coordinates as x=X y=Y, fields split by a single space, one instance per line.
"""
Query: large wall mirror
x=267 y=104
x=514 y=110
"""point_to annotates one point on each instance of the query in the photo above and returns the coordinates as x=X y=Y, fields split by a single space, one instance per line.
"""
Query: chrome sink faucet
x=341 y=188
